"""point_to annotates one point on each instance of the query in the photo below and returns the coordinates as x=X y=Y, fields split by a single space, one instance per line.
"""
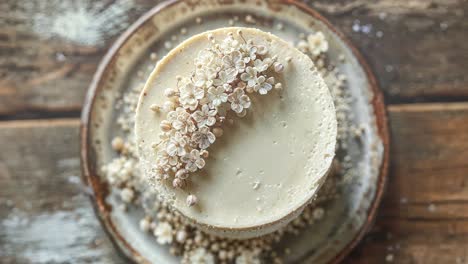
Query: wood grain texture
x=45 y=216
x=423 y=218
x=421 y=54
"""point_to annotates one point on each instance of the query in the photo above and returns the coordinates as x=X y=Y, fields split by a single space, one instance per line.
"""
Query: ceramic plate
x=347 y=218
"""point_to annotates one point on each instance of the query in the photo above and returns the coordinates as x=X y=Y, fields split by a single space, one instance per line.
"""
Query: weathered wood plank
x=424 y=209
x=417 y=48
x=45 y=217
x=423 y=218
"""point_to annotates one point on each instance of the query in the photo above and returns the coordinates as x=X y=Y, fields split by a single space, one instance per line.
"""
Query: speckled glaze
x=348 y=218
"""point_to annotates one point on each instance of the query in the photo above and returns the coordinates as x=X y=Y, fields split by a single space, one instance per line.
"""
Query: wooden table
x=417 y=48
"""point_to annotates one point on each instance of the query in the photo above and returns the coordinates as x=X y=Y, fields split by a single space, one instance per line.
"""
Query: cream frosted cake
x=236 y=130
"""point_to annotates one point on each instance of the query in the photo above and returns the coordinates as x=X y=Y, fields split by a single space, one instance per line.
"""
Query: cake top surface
x=270 y=161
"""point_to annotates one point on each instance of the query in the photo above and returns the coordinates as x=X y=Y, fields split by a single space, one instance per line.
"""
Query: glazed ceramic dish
x=348 y=217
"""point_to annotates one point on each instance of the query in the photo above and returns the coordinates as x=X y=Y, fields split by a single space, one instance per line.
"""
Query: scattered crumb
x=250 y=19
x=389 y=258
x=256 y=185
x=167 y=45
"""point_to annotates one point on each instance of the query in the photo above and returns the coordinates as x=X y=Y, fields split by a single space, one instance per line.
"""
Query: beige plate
x=348 y=217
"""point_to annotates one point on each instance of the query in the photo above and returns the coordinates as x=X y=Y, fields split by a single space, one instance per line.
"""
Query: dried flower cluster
x=225 y=76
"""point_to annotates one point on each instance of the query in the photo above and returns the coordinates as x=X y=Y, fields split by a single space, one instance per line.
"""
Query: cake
x=265 y=158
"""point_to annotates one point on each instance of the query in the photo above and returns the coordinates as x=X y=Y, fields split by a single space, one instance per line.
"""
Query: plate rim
x=98 y=191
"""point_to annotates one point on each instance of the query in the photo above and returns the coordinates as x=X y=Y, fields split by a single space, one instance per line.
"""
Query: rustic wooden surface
x=420 y=60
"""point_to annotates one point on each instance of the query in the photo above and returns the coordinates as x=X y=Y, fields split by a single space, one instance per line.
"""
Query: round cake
x=269 y=127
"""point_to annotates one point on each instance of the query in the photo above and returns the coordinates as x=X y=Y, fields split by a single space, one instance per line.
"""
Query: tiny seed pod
x=191 y=200
x=155 y=108
x=243 y=113
x=278 y=67
x=169 y=92
x=204 y=153
x=279 y=86
x=182 y=174
x=178 y=183
x=210 y=37
x=217 y=131
x=168 y=106
x=118 y=144
x=165 y=126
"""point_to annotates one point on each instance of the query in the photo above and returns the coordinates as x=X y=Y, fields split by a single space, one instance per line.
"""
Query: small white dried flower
x=204 y=58
x=239 y=100
x=192 y=200
x=249 y=76
x=163 y=233
x=217 y=96
x=190 y=94
x=168 y=106
x=205 y=116
x=205 y=76
x=193 y=160
x=180 y=120
x=164 y=158
x=203 y=137
x=176 y=145
x=127 y=195
x=262 y=50
x=317 y=43
x=225 y=77
x=263 y=85
x=261 y=65
x=251 y=55
x=169 y=92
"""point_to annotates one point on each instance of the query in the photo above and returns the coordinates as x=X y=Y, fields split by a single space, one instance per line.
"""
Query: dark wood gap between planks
x=51 y=114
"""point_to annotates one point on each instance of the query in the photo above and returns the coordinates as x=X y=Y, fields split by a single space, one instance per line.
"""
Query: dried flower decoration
x=317 y=43
x=225 y=73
